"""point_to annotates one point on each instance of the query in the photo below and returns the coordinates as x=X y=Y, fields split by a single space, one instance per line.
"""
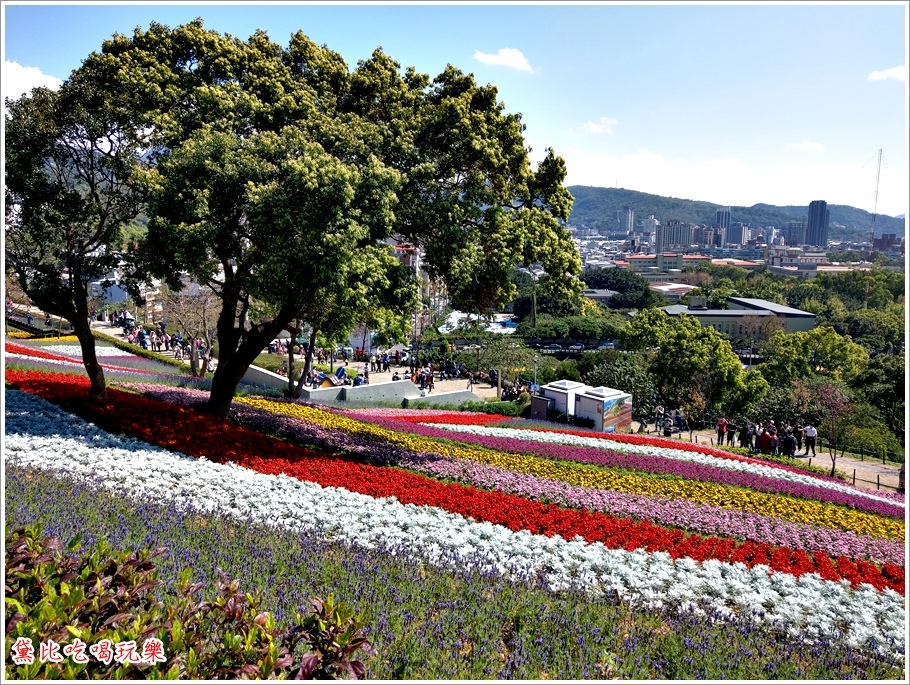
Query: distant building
x=601 y=296
x=795 y=233
x=737 y=234
x=677 y=233
x=722 y=218
x=720 y=236
x=739 y=321
x=672 y=291
x=652 y=226
x=817 y=224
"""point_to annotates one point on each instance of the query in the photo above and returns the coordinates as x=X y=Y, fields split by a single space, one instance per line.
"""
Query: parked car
x=606 y=346
x=553 y=346
x=471 y=347
x=576 y=347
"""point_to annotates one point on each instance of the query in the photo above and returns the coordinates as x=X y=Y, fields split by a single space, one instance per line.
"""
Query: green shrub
x=79 y=601
x=504 y=408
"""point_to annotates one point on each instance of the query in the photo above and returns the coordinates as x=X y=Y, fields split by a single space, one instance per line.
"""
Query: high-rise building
x=652 y=226
x=722 y=217
x=678 y=233
x=795 y=233
x=720 y=237
x=629 y=214
x=737 y=234
x=817 y=224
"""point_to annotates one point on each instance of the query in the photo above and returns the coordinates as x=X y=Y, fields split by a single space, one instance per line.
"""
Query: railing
x=863 y=453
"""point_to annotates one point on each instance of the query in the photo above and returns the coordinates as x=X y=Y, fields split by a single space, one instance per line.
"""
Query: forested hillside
x=594 y=207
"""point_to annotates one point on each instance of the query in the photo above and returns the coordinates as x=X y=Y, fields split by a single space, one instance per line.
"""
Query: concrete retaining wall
x=392 y=392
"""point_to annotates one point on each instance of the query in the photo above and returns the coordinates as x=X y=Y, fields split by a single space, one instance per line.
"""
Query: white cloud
x=807 y=146
x=734 y=181
x=19 y=80
x=897 y=73
x=506 y=57
x=602 y=125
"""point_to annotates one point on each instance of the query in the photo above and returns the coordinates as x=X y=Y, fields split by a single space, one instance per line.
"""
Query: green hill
x=594 y=207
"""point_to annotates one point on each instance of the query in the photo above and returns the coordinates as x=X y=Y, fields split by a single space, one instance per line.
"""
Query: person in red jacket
x=721 y=430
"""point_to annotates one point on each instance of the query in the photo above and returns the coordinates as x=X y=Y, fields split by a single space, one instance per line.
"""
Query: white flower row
x=76 y=351
x=666 y=452
x=36 y=362
x=40 y=435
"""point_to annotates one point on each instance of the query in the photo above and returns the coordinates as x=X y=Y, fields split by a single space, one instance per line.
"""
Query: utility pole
x=878 y=172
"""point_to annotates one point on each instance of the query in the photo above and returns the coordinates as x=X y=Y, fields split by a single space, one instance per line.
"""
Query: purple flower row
x=701 y=518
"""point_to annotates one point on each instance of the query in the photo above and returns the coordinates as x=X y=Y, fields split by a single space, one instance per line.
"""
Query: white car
x=577 y=347
x=606 y=346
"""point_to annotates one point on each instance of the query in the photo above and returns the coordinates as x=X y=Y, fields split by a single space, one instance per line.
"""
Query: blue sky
x=728 y=103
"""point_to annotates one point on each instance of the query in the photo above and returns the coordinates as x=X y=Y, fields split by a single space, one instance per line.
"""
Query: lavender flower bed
x=419 y=619
x=706 y=519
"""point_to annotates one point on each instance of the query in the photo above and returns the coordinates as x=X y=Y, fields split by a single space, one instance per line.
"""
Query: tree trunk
x=238 y=348
x=297 y=386
x=83 y=330
x=293 y=388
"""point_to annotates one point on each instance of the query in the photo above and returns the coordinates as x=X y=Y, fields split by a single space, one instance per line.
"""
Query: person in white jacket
x=811 y=434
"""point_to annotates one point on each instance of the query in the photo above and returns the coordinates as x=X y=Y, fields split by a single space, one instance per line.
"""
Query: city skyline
x=731 y=104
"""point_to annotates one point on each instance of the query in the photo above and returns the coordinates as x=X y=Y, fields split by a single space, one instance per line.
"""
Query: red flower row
x=453 y=418
x=191 y=432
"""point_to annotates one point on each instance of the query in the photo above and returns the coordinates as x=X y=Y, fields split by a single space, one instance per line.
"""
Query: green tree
x=806 y=353
x=69 y=159
x=632 y=291
x=686 y=354
x=630 y=374
x=883 y=385
x=273 y=160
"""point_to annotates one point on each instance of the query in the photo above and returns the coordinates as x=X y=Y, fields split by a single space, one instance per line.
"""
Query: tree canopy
x=696 y=367
x=270 y=161
x=69 y=158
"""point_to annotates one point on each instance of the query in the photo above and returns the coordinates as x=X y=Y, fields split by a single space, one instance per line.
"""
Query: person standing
x=811 y=435
x=470 y=381
x=731 y=433
x=721 y=430
x=787 y=444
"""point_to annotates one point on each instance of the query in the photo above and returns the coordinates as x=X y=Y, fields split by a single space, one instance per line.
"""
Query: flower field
x=715 y=561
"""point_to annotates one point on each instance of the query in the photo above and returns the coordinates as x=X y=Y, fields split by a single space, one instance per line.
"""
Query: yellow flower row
x=781 y=506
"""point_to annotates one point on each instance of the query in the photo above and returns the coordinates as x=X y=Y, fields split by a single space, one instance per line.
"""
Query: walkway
x=869 y=473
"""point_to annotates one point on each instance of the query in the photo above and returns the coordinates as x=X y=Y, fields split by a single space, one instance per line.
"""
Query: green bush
x=504 y=408
x=79 y=601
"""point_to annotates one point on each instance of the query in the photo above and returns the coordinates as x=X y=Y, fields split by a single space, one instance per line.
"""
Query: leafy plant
x=79 y=601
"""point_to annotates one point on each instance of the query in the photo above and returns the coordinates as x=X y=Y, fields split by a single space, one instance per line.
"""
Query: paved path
x=870 y=474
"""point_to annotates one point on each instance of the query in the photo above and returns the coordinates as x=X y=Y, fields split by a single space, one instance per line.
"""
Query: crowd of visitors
x=768 y=438
x=158 y=339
